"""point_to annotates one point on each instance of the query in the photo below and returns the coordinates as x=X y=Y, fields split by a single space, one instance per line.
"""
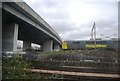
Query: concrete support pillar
x=10 y=36
x=26 y=45
x=57 y=47
x=47 y=46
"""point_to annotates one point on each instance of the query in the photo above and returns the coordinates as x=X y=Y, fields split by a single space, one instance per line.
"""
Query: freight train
x=90 y=44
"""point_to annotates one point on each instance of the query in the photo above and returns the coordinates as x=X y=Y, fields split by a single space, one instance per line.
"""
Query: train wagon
x=89 y=44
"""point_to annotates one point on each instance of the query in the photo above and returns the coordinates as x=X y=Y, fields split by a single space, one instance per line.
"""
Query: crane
x=93 y=32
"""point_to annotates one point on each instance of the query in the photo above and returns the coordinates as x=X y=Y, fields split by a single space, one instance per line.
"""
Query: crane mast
x=93 y=34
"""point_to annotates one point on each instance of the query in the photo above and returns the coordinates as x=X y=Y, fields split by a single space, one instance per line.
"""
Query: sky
x=73 y=19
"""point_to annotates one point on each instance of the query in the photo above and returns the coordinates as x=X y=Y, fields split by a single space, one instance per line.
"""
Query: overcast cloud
x=73 y=19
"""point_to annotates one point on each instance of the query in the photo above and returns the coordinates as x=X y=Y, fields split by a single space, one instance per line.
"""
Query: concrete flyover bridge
x=21 y=22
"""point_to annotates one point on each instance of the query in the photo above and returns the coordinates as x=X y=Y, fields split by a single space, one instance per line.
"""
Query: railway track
x=81 y=69
x=80 y=75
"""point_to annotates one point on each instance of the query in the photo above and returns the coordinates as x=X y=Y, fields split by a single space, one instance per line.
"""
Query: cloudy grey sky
x=73 y=19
